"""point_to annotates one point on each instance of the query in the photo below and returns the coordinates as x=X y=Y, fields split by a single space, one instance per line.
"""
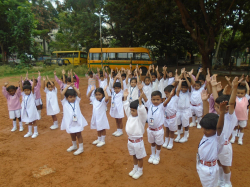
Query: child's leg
x=193 y=121
x=166 y=136
x=35 y=130
x=153 y=149
x=14 y=125
x=119 y=127
x=135 y=169
x=80 y=141
x=234 y=133
x=198 y=124
x=101 y=138
x=171 y=140
x=227 y=174
x=29 y=130
x=240 y=140
x=99 y=134
x=178 y=133
x=55 y=122
x=103 y=135
x=20 y=124
x=74 y=146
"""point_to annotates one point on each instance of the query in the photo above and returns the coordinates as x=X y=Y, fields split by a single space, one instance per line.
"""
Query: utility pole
x=101 y=36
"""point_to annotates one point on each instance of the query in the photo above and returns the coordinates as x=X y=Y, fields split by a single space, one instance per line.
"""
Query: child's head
x=91 y=74
x=49 y=86
x=99 y=94
x=74 y=79
x=168 y=90
x=113 y=74
x=11 y=89
x=133 y=108
x=170 y=74
x=123 y=76
x=101 y=76
x=219 y=100
x=65 y=77
x=117 y=87
x=70 y=95
x=197 y=85
x=156 y=98
x=201 y=78
x=68 y=80
x=184 y=87
x=147 y=80
x=209 y=124
x=133 y=82
x=26 y=83
x=27 y=89
x=241 y=91
x=35 y=83
x=154 y=76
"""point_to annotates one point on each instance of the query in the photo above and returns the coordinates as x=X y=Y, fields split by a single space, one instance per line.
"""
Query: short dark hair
x=11 y=87
x=117 y=84
x=69 y=79
x=90 y=73
x=161 y=74
x=209 y=121
x=48 y=83
x=198 y=82
x=240 y=87
x=70 y=92
x=153 y=74
x=155 y=93
x=184 y=84
x=26 y=83
x=28 y=87
x=124 y=75
x=222 y=98
x=146 y=78
x=134 y=104
x=133 y=79
x=100 y=90
x=36 y=80
x=169 y=88
x=101 y=74
x=64 y=76
x=201 y=77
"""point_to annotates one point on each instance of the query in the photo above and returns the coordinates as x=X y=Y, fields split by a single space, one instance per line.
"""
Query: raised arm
x=188 y=83
x=204 y=97
x=21 y=83
x=158 y=74
x=228 y=80
x=179 y=87
x=33 y=84
x=64 y=91
x=198 y=74
x=50 y=82
x=43 y=83
x=106 y=94
x=220 y=123
x=75 y=88
x=169 y=98
x=71 y=75
x=128 y=73
x=247 y=86
x=125 y=94
x=208 y=80
x=5 y=93
x=192 y=78
x=233 y=95
x=214 y=84
x=164 y=72
x=63 y=73
x=90 y=92
x=120 y=78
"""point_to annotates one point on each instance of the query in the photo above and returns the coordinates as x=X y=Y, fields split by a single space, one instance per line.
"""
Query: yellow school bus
x=120 y=57
x=74 y=57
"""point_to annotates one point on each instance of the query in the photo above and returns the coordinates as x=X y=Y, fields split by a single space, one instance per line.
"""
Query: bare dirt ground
x=44 y=161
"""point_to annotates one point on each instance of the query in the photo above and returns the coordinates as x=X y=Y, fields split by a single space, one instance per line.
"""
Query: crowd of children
x=160 y=99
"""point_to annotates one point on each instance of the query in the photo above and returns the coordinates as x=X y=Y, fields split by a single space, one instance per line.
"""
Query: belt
x=158 y=128
x=226 y=142
x=135 y=141
x=195 y=105
x=171 y=117
x=209 y=164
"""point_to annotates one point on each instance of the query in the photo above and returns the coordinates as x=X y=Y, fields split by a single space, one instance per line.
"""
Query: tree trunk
x=192 y=57
x=228 y=56
x=3 y=56
x=44 y=50
x=206 y=62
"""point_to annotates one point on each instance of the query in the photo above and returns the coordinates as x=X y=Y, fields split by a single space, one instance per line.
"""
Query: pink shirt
x=241 y=108
x=13 y=101
x=37 y=88
x=211 y=104
x=61 y=84
x=77 y=82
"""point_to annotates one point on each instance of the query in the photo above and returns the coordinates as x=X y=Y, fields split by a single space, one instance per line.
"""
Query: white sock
x=140 y=169
x=193 y=119
x=236 y=131
x=179 y=132
x=103 y=138
x=185 y=134
x=181 y=129
x=158 y=153
x=153 y=151
x=30 y=128
x=20 y=124
x=166 y=140
x=199 y=120
x=99 y=138
x=234 y=134
x=35 y=129
x=171 y=141
x=241 y=135
x=56 y=123
x=14 y=124
x=39 y=112
x=136 y=167
x=221 y=174
x=227 y=178
x=80 y=145
x=74 y=143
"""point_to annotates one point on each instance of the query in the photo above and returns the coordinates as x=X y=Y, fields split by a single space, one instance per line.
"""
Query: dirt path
x=23 y=161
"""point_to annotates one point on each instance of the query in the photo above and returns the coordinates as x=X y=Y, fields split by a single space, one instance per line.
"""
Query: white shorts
x=171 y=123
x=156 y=136
x=183 y=117
x=242 y=123
x=197 y=110
x=15 y=114
x=137 y=149
x=38 y=102
x=226 y=155
x=208 y=175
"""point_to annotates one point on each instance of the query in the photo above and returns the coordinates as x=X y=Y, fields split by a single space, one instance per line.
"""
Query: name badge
x=197 y=158
x=165 y=114
x=130 y=99
x=112 y=104
x=151 y=121
x=74 y=118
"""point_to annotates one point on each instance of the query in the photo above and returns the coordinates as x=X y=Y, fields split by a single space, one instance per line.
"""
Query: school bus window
x=104 y=56
x=112 y=56
x=122 y=56
x=137 y=56
x=130 y=55
x=84 y=55
x=95 y=56
x=144 y=56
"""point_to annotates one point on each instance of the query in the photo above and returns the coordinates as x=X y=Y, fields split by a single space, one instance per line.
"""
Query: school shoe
x=72 y=148
x=232 y=140
x=100 y=144
x=95 y=142
x=188 y=135
x=78 y=151
x=177 y=139
x=151 y=159
x=21 y=129
x=170 y=146
x=192 y=124
x=137 y=174
x=228 y=185
x=165 y=144
x=240 y=141
x=220 y=183
x=28 y=135
x=176 y=133
x=183 y=139
x=118 y=134
x=156 y=161
x=34 y=135
x=91 y=103
x=131 y=173
x=53 y=127
x=198 y=126
x=13 y=129
x=115 y=133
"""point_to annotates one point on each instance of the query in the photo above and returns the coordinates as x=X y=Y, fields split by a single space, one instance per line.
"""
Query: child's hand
x=200 y=70
x=204 y=95
x=140 y=86
x=5 y=84
x=54 y=72
x=223 y=106
x=44 y=78
x=247 y=79
x=33 y=78
x=182 y=70
x=191 y=72
x=150 y=68
x=241 y=79
x=227 y=78
x=130 y=65
x=208 y=78
x=176 y=71
x=72 y=85
x=92 y=88
x=63 y=72
x=226 y=90
x=39 y=74
x=140 y=71
x=125 y=93
x=219 y=87
x=128 y=72
x=156 y=69
x=111 y=71
x=21 y=78
x=214 y=81
x=208 y=72
x=235 y=82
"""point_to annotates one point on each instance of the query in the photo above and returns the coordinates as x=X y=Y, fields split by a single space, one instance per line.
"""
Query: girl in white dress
x=73 y=121
x=116 y=109
x=99 y=120
x=51 y=101
x=103 y=82
x=29 y=113
x=133 y=91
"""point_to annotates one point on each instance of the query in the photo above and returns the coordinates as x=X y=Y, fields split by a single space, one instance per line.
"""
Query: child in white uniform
x=38 y=94
x=103 y=82
x=196 y=102
x=170 y=78
x=99 y=120
x=51 y=101
x=162 y=83
x=73 y=121
x=147 y=88
x=91 y=82
x=116 y=109
x=133 y=91
x=155 y=125
x=170 y=121
x=210 y=146
x=137 y=116
x=29 y=112
x=154 y=78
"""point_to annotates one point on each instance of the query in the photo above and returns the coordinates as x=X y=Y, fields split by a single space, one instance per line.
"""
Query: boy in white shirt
x=154 y=77
x=137 y=116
